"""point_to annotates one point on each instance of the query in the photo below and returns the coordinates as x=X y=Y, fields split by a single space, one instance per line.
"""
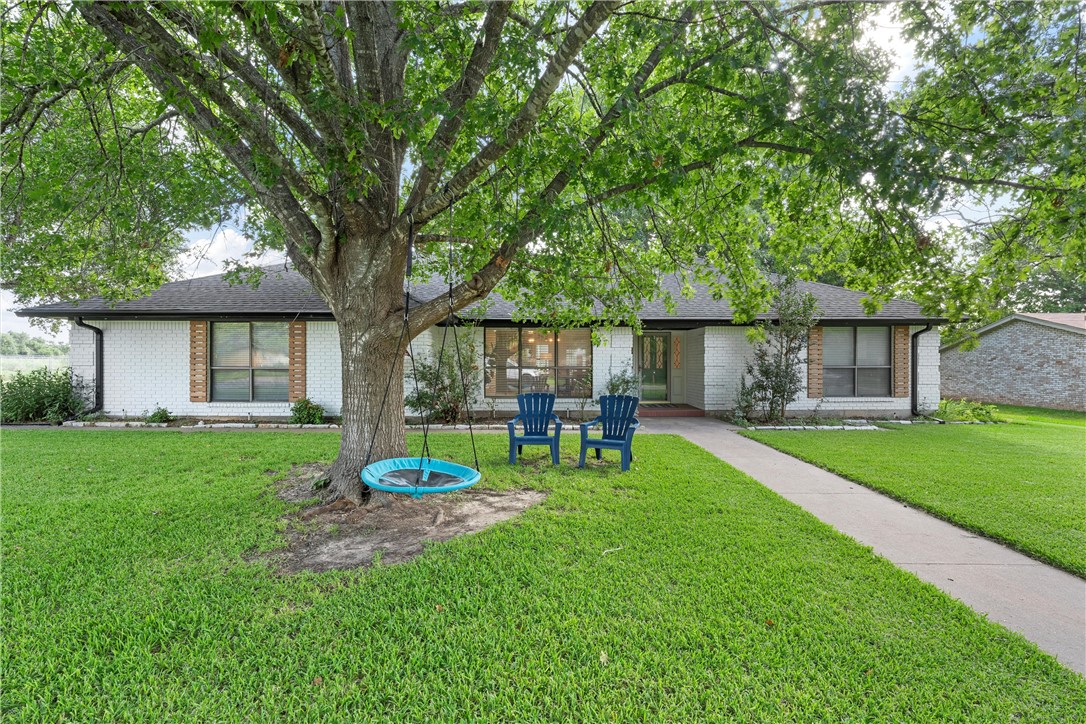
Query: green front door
x=654 y=356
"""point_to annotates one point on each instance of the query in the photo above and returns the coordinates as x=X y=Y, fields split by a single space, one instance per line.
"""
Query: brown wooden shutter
x=296 y=375
x=198 y=361
x=814 y=363
x=901 y=361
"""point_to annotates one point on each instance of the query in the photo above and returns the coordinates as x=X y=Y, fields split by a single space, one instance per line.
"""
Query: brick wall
x=1020 y=363
x=147 y=364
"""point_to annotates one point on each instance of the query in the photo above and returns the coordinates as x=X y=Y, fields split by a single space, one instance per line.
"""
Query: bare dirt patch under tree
x=340 y=535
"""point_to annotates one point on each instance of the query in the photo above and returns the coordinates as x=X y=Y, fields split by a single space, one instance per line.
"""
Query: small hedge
x=306 y=412
x=966 y=411
x=42 y=395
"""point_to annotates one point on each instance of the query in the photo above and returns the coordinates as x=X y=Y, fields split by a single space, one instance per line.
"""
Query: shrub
x=624 y=382
x=965 y=411
x=160 y=414
x=744 y=402
x=776 y=372
x=41 y=395
x=439 y=396
x=306 y=412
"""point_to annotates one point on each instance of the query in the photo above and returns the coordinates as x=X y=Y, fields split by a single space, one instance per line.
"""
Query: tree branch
x=525 y=119
x=458 y=96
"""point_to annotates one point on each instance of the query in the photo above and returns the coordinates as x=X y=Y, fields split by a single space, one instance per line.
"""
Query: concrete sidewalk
x=1044 y=604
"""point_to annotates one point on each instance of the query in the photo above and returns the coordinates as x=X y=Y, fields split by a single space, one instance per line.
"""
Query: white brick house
x=204 y=348
x=1024 y=359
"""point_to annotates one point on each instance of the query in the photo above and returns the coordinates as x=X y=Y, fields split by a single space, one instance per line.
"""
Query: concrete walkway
x=1044 y=604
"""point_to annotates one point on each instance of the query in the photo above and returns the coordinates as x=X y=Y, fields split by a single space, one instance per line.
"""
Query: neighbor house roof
x=1068 y=321
x=283 y=292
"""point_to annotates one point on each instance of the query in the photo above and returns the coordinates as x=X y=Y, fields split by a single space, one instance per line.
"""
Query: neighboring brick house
x=1038 y=360
x=206 y=348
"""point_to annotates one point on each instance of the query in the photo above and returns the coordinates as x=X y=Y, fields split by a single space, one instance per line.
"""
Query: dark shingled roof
x=285 y=293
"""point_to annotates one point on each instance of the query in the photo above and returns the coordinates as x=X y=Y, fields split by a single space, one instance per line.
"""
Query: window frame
x=558 y=371
x=857 y=367
x=212 y=368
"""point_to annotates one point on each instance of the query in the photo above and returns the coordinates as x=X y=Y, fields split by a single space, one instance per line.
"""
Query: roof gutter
x=99 y=377
x=914 y=344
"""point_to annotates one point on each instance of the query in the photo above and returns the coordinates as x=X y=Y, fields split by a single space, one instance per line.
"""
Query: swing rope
x=425 y=454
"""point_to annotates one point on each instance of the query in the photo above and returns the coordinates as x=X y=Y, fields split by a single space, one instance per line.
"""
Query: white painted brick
x=146 y=364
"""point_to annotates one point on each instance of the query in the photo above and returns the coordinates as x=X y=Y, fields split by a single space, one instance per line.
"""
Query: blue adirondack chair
x=617 y=416
x=536 y=415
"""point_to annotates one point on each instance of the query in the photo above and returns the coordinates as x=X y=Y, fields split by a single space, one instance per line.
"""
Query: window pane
x=837 y=346
x=501 y=352
x=575 y=348
x=230 y=385
x=838 y=382
x=536 y=349
x=574 y=381
x=270 y=385
x=873 y=347
x=873 y=382
x=230 y=345
x=270 y=340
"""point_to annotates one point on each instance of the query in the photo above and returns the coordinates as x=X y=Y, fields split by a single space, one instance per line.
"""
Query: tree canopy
x=583 y=147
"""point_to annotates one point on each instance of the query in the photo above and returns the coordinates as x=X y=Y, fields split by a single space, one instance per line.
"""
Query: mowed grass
x=680 y=591
x=1022 y=483
x=1012 y=413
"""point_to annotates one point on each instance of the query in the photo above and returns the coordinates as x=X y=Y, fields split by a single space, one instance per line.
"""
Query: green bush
x=160 y=414
x=966 y=411
x=440 y=395
x=623 y=382
x=306 y=412
x=41 y=395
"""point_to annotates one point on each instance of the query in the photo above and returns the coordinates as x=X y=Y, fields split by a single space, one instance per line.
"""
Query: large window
x=531 y=360
x=249 y=361
x=856 y=361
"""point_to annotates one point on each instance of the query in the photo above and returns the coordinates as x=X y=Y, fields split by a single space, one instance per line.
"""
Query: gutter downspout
x=914 y=344
x=99 y=376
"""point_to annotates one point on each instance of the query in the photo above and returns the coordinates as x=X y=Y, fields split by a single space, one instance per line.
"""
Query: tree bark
x=373 y=424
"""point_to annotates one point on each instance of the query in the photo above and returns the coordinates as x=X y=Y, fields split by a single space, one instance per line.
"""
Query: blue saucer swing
x=418 y=476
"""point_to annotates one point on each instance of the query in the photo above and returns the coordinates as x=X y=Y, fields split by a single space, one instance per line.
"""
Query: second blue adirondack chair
x=536 y=415
x=618 y=419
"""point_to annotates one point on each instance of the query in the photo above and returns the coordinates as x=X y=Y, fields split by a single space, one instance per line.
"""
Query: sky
x=209 y=248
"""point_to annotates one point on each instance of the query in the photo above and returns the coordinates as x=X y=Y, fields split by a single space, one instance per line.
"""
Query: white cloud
x=10 y=323
x=886 y=33
x=207 y=252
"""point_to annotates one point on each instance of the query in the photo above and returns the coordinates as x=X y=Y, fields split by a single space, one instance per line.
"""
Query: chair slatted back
x=617 y=413
x=535 y=411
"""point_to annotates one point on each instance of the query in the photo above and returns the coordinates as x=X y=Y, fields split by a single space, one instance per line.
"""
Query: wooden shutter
x=199 y=373
x=814 y=363
x=296 y=375
x=901 y=362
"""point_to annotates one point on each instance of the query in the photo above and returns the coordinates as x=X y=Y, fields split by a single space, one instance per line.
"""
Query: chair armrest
x=512 y=424
x=555 y=418
x=590 y=423
x=632 y=429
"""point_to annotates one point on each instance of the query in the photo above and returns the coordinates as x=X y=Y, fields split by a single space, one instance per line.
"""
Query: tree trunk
x=373 y=425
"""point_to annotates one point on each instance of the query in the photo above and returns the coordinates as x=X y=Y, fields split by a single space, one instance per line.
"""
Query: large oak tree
x=572 y=152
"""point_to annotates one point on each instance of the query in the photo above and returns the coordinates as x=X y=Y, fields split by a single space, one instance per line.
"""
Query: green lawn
x=1023 y=483
x=1041 y=414
x=127 y=596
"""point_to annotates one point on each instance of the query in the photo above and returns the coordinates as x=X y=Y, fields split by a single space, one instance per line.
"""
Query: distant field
x=10 y=364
